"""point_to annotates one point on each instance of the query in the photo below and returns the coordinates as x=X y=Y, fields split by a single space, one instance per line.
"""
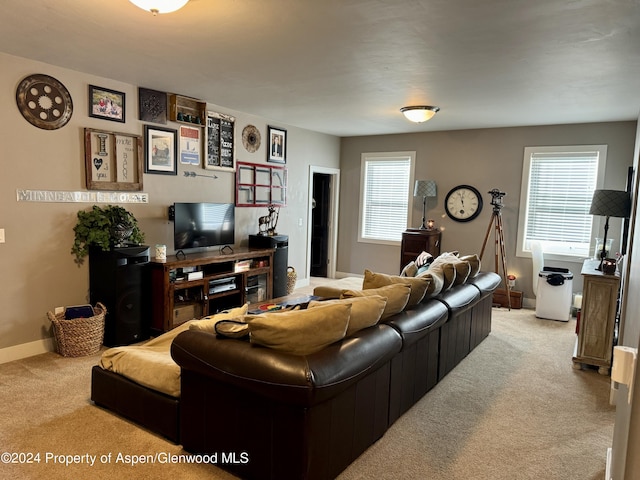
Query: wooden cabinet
x=202 y=284
x=416 y=241
x=594 y=345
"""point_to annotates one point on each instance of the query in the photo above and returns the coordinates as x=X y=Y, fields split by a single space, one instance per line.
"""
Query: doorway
x=322 y=221
x=320 y=210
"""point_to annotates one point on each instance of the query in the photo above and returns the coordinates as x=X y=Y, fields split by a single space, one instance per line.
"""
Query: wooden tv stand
x=202 y=284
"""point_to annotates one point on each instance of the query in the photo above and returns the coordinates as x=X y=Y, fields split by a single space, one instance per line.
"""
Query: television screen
x=199 y=225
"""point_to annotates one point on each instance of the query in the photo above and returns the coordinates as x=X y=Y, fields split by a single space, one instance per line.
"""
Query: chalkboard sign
x=220 y=142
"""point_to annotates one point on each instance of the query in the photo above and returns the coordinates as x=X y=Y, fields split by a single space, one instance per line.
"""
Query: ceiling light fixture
x=420 y=113
x=159 y=6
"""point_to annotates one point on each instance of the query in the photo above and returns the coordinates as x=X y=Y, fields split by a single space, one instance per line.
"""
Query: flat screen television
x=198 y=225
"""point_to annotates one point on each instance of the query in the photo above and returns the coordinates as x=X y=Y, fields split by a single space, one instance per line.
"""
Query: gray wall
x=38 y=271
x=486 y=159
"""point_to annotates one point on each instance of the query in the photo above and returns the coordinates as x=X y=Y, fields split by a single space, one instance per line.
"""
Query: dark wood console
x=417 y=240
x=202 y=284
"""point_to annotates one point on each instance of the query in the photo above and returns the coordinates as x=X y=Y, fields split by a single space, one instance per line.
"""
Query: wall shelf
x=187 y=110
x=259 y=185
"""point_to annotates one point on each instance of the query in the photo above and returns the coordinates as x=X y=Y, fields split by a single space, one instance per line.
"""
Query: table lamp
x=609 y=203
x=424 y=189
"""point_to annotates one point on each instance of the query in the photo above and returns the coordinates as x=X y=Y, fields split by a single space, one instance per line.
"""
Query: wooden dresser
x=415 y=241
x=594 y=345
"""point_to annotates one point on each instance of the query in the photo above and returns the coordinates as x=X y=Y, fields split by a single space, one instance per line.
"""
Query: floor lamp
x=425 y=189
x=609 y=203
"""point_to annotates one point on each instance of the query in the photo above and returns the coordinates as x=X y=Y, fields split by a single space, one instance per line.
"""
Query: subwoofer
x=117 y=278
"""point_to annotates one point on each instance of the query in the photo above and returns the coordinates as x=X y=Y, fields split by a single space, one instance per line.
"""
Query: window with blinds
x=557 y=188
x=384 y=196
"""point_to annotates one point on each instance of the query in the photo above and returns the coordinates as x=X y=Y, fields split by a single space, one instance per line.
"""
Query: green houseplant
x=104 y=227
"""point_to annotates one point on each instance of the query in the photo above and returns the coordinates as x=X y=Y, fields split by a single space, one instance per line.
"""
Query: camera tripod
x=500 y=253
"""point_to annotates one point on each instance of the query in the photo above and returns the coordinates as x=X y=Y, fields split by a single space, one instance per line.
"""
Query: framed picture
x=113 y=161
x=277 y=152
x=161 y=150
x=190 y=145
x=220 y=132
x=106 y=104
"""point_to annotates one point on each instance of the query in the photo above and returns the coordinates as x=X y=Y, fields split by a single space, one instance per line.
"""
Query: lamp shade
x=611 y=203
x=425 y=188
x=419 y=113
x=160 y=6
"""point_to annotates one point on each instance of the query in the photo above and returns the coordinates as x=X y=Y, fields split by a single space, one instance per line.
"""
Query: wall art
x=220 y=142
x=44 y=102
x=161 y=150
x=152 y=105
x=113 y=161
x=190 y=145
x=106 y=104
x=277 y=152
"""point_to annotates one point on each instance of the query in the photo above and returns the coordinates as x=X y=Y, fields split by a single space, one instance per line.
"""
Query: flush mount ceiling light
x=419 y=113
x=160 y=6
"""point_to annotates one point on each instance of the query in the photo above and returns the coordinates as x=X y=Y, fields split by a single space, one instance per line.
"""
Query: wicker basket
x=79 y=336
x=292 y=277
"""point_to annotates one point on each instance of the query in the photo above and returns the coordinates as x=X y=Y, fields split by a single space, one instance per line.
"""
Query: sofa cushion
x=300 y=332
x=418 y=285
x=463 y=268
x=208 y=324
x=365 y=311
x=443 y=268
x=335 y=289
x=437 y=276
x=409 y=270
x=474 y=263
x=397 y=296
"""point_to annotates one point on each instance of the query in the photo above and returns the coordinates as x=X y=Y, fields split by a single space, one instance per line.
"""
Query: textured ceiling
x=345 y=67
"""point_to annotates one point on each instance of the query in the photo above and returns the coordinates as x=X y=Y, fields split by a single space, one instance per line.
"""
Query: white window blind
x=559 y=186
x=385 y=198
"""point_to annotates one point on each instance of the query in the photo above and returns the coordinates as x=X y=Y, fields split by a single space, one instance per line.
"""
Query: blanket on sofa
x=150 y=364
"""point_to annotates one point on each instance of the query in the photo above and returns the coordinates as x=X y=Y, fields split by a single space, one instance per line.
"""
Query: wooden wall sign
x=220 y=142
x=113 y=161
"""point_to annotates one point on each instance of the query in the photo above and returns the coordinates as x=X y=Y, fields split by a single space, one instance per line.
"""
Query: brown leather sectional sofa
x=263 y=414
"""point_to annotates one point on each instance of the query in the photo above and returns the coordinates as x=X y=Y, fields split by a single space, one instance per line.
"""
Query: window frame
x=384 y=156
x=521 y=248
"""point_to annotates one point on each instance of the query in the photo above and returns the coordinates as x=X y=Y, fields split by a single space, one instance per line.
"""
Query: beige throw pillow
x=397 y=297
x=418 y=285
x=300 y=332
x=463 y=268
x=208 y=324
x=365 y=311
x=437 y=281
x=409 y=270
x=474 y=262
x=443 y=267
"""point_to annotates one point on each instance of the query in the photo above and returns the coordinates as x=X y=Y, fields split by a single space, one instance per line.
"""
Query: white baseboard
x=607 y=472
x=24 y=350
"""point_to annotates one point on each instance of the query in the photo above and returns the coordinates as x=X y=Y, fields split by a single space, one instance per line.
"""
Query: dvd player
x=222 y=285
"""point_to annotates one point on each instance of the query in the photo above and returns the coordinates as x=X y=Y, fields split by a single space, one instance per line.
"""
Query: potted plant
x=104 y=227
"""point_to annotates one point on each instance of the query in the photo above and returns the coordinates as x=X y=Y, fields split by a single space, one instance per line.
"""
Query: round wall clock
x=463 y=203
x=251 y=138
x=44 y=101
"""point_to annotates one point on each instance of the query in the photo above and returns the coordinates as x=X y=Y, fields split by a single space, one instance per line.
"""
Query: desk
x=594 y=345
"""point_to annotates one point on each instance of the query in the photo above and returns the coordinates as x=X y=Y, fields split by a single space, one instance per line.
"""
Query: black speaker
x=117 y=278
x=280 y=259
